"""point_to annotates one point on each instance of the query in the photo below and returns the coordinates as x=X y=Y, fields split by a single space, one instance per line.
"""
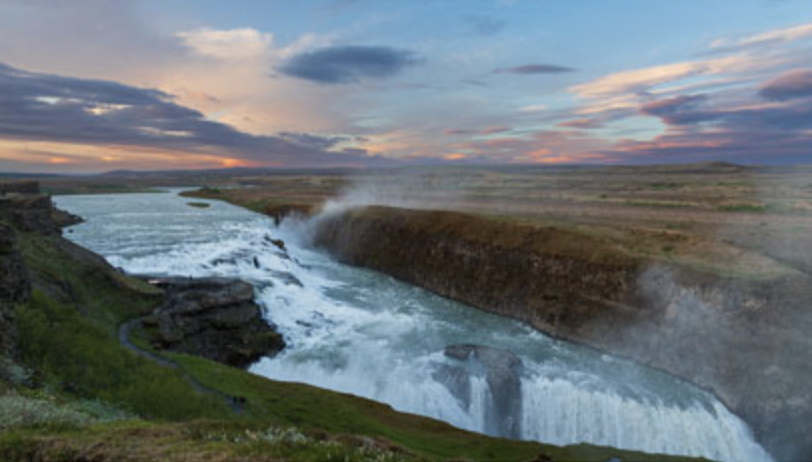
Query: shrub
x=19 y=411
x=296 y=445
x=14 y=374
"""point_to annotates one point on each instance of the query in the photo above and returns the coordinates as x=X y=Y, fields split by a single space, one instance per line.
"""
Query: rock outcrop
x=24 y=206
x=500 y=369
x=213 y=318
x=745 y=340
x=19 y=187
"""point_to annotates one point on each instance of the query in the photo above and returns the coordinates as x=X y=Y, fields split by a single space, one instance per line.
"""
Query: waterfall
x=364 y=333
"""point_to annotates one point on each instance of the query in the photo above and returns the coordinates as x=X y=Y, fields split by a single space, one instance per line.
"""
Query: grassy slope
x=68 y=335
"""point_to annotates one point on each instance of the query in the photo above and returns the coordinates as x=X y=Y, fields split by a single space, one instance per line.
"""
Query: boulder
x=501 y=369
x=214 y=318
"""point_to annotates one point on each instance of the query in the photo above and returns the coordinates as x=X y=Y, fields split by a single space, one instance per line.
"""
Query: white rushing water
x=364 y=333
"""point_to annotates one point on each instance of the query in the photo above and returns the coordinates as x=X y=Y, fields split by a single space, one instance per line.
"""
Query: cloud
x=348 y=64
x=484 y=25
x=790 y=85
x=86 y=37
x=335 y=7
x=701 y=128
x=643 y=80
x=492 y=130
x=52 y=108
x=699 y=110
x=582 y=123
x=534 y=108
x=474 y=82
x=313 y=141
x=457 y=131
x=761 y=147
x=233 y=44
x=773 y=37
x=679 y=110
x=713 y=107
x=532 y=69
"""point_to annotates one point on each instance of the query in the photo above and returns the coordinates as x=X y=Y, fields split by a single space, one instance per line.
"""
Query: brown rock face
x=747 y=341
x=22 y=205
x=213 y=318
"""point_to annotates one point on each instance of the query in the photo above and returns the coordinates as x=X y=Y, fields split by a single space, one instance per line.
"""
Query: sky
x=100 y=85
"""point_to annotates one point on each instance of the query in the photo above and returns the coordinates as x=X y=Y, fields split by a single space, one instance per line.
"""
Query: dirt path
x=235 y=403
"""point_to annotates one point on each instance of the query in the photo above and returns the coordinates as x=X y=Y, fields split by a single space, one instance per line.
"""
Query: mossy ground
x=68 y=337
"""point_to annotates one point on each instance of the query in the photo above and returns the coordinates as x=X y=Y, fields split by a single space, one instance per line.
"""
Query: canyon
x=743 y=339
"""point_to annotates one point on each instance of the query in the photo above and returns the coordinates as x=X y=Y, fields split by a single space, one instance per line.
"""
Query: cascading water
x=361 y=332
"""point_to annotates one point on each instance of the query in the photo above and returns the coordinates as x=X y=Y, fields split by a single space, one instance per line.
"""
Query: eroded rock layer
x=745 y=340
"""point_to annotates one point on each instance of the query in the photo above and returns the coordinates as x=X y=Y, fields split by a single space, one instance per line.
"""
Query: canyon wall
x=744 y=340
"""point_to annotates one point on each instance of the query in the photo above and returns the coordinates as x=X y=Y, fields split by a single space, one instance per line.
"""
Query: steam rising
x=418 y=188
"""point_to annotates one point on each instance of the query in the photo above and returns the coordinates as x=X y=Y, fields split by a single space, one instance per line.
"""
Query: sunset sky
x=98 y=85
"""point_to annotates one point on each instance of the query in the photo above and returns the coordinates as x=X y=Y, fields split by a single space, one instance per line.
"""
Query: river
x=362 y=332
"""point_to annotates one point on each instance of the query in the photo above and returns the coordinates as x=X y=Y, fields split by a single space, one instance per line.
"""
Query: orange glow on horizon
x=235 y=163
x=558 y=160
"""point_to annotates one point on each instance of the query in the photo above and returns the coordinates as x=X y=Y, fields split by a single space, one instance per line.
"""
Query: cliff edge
x=744 y=339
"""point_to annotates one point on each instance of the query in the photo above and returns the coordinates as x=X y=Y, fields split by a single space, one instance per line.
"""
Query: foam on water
x=361 y=332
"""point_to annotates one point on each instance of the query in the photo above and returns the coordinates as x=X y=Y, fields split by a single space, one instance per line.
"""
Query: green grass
x=194 y=442
x=199 y=205
x=312 y=408
x=75 y=354
x=73 y=275
x=33 y=409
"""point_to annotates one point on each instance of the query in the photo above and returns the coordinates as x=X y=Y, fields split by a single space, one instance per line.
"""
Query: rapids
x=361 y=332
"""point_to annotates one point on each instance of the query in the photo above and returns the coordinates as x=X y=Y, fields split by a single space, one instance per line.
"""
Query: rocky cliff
x=213 y=318
x=744 y=340
x=23 y=206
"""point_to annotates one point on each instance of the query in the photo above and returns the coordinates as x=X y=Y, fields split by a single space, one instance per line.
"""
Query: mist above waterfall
x=416 y=188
